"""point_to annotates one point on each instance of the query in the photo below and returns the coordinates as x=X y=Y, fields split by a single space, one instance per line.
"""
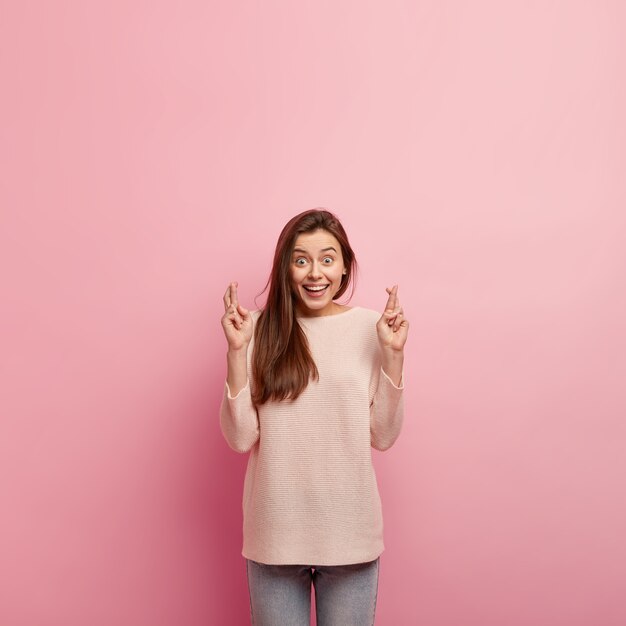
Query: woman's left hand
x=392 y=327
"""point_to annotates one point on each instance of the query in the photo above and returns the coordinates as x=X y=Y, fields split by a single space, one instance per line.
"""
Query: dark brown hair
x=282 y=364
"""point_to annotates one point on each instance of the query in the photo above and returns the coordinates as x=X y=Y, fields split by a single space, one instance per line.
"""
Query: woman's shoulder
x=359 y=318
x=359 y=324
x=367 y=314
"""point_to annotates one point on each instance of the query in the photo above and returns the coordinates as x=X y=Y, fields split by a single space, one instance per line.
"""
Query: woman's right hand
x=236 y=321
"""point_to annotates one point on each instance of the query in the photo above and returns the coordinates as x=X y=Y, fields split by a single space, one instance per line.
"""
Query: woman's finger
x=227 y=298
x=230 y=296
x=233 y=294
x=391 y=300
x=233 y=317
x=236 y=317
x=243 y=312
x=391 y=315
x=397 y=322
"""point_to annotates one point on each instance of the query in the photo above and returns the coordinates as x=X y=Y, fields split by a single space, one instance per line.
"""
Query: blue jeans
x=345 y=595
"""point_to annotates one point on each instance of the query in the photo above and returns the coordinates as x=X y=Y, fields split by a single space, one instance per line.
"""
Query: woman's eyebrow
x=323 y=250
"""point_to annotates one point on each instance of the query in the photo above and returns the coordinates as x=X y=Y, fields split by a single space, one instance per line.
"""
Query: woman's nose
x=315 y=270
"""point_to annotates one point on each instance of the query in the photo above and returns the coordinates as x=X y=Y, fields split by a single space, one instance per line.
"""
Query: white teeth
x=316 y=288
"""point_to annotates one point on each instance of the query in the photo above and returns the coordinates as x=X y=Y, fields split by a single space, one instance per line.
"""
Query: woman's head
x=312 y=252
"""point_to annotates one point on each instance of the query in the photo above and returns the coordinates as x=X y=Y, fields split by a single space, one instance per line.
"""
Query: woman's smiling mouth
x=315 y=290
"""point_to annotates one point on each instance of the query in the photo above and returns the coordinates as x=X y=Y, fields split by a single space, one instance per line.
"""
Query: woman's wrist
x=237 y=375
x=237 y=353
x=392 y=364
x=391 y=355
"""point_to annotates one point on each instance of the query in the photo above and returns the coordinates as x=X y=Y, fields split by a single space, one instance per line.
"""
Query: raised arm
x=387 y=409
x=392 y=328
x=239 y=420
x=237 y=325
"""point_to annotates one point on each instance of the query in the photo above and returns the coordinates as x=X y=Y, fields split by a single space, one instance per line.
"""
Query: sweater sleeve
x=239 y=419
x=386 y=412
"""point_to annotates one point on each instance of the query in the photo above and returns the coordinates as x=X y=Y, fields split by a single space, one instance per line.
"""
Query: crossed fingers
x=231 y=306
x=393 y=309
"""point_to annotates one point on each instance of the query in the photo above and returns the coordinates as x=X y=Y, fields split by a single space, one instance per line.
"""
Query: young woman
x=311 y=386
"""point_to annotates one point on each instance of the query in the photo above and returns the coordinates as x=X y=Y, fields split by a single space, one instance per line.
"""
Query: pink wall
x=152 y=151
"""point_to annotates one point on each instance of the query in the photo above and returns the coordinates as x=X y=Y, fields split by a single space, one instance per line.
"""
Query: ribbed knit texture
x=310 y=493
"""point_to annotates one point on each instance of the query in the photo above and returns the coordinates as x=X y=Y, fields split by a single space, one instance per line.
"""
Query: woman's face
x=316 y=272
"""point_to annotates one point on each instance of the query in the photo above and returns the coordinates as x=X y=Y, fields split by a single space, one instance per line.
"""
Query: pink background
x=151 y=153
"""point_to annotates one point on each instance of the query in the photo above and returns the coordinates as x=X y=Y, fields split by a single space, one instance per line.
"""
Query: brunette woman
x=312 y=385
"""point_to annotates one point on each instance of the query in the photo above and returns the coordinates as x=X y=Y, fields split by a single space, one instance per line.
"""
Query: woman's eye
x=300 y=261
x=329 y=259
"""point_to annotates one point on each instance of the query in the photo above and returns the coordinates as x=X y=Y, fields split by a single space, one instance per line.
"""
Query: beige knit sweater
x=310 y=494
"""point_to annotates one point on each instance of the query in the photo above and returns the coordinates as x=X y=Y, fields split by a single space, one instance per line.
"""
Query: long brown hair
x=282 y=364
